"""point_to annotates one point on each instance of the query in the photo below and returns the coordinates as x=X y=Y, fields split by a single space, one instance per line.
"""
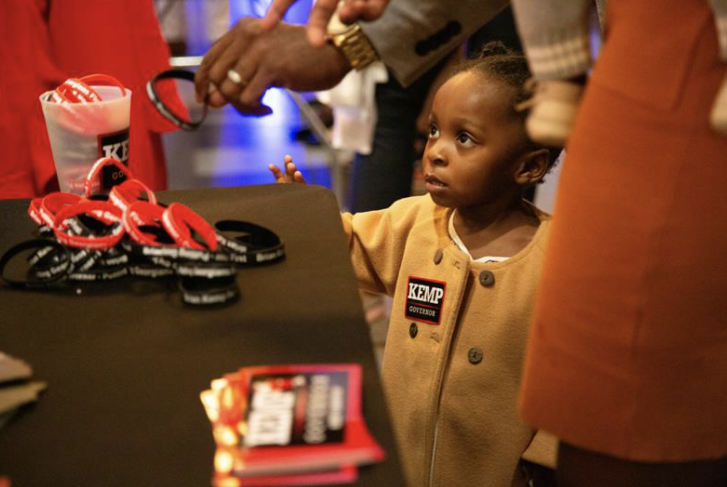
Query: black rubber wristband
x=42 y=276
x=248 y=243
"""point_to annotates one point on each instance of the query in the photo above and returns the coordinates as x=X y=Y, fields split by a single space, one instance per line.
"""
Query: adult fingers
x=232 y=73
x=257 y=110
x=320 y=15
x=233 y=81
x=275 y=14
x=251 y=95
x=353 y=10
x=235 y=64
x=374 y=9
x=350 y=10
x=247 y=102
x=201 y=78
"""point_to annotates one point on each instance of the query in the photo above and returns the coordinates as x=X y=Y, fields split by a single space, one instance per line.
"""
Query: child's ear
x=532 y=167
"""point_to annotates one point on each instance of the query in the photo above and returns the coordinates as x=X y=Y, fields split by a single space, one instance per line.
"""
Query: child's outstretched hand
x=291 y=174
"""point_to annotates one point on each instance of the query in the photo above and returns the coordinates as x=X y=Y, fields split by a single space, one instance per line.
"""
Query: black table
x=125 y=361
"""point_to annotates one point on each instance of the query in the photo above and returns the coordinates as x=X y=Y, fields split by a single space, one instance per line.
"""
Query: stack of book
x=289 y=425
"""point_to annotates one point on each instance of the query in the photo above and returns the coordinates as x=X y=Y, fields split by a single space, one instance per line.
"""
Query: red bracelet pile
x=79 y=90
x=128 y=233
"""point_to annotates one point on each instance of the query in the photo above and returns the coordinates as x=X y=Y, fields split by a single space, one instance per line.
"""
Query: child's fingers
x=289 y=167
x=277 y=173
x=298 y=177
x=290 y=170
x=289 y=173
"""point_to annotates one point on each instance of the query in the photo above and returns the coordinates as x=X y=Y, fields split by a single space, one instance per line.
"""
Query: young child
x=462 y=264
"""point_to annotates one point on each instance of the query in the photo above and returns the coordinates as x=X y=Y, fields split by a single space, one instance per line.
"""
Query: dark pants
x=583 y=468
x=384 y=176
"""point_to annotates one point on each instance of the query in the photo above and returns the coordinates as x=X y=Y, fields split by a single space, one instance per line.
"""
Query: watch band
x=355 y=46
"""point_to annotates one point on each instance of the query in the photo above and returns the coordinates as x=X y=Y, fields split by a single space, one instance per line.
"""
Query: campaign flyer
x=289 y=425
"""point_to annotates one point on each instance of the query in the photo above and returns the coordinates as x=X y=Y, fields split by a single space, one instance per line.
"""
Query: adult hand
x=321 y=13
x=291 y=174
x=245 y=62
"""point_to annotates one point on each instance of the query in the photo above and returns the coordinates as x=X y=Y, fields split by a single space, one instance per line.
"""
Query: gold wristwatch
x=354 y=45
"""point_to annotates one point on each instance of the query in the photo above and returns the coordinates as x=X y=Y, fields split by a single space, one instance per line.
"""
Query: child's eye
x=464 y=138
x=433 y=131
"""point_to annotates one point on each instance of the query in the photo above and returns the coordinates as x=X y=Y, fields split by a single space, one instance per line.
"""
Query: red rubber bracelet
x=102 y=210
x=79 y=90
x=179 y=221
x=74 y=90
x=55 y=202
x=103 y=80
x=142 y=213
x=34 y=211
x=56 y=97
x=126 y=193
x=92 y=183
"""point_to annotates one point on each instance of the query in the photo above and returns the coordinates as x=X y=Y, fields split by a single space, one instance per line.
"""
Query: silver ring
x=235 y=77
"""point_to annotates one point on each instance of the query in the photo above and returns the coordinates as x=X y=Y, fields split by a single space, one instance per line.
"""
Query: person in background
x=45 y=42
x=209 y=19
x=556 y=38
x=627 y=354
x=461 y=263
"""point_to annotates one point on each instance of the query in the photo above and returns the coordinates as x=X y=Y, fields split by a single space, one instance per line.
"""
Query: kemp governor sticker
x=114 y=145
x=424 y=300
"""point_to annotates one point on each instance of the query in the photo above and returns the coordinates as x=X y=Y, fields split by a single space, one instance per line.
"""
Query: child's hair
x=497 y=61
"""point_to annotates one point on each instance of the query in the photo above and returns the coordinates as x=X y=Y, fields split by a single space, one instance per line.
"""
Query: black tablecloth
x=125 y=361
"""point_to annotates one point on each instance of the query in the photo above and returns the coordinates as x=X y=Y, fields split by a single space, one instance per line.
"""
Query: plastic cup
x=81 y=133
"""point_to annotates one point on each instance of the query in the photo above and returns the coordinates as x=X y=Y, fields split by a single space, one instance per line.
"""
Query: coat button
x=474 y=355
x=413 y=330
x=487 y=278
x=438 y=256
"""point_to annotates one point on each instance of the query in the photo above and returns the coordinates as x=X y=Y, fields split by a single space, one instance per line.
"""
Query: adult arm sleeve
x=412 y=35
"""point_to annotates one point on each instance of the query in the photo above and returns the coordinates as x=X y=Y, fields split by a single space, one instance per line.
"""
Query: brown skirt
x=628 y=349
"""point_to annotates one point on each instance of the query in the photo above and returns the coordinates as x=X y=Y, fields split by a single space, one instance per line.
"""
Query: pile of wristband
x=103 y=237
x=79 y=90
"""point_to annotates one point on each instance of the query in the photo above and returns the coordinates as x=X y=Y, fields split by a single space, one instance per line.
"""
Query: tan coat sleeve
x=543 y=450
x=377 y=240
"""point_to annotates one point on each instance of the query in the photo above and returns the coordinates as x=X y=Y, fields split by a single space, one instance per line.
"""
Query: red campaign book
x=345 y=475
x=290 y=425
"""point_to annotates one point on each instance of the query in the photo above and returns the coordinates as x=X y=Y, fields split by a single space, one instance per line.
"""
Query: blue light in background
x=297 y=14
x=240 y=148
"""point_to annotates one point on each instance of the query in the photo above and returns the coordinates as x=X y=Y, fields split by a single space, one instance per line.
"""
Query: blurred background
x=234 y=150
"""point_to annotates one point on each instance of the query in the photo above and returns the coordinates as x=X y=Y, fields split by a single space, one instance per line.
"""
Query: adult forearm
x=412 y=35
